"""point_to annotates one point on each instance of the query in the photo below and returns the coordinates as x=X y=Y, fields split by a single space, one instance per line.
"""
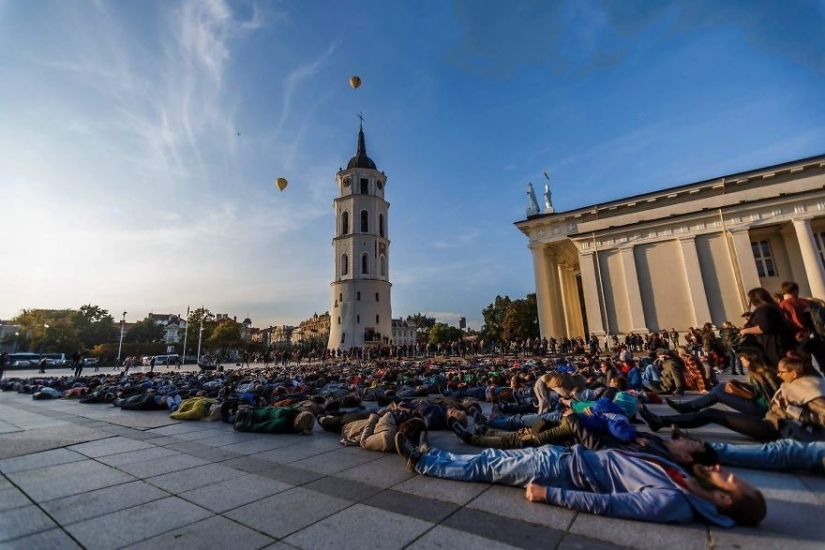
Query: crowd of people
x=572 y=430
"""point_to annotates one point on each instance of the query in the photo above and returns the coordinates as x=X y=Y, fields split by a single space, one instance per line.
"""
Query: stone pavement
x=93 y=476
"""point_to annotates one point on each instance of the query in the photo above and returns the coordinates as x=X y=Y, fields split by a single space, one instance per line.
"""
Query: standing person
x=78 y=363
x=178 y=362
x=768 y=326
x=4 y=360
x=245 y=359
x=798 y=312
x=152 y=364
x=43 y=361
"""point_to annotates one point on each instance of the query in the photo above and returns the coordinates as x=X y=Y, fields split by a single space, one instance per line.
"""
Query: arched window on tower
x=344 y=264
x=365 y=263
x=383 y=265
x=365 y=221
x=345 y=223
x=365 y=186
x=381 y=224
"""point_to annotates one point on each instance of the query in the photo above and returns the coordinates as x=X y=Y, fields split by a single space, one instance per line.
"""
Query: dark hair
x=760 y=297
x=789 y=287
x=745 y=509
x=798 y=363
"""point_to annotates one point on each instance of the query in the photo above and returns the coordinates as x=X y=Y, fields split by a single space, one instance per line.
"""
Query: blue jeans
x=782 y=455
x=543 y=465
x=518 y=421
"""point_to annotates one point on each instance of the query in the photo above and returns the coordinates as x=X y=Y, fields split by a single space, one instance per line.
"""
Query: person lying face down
x=611 y=483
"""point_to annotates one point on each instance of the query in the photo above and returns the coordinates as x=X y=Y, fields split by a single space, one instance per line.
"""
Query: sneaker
x=653 y=421
x=459 y=430
x=424 y=445
x=407 y=450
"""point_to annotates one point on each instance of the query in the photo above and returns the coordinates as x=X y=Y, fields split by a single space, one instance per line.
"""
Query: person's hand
x=536 y=493
x=642 y=442
x=588 y=411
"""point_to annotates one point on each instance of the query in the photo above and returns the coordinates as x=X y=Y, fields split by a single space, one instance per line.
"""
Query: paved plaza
x=94 y=476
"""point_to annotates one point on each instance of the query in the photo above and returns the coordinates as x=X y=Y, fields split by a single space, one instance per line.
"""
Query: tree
x=62 y=334
x=226 y=335
x=494 y=315
x=423 y=322
x=95 y=326
x=441 y=333
x=144 y=331
x=193 y=326
x=521 y=321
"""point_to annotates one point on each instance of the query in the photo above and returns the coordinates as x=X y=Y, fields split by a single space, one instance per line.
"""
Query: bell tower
x=361 y=312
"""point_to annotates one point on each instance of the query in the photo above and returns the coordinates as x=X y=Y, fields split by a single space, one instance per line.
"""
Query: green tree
x=144 y=331
x=441 y=333
x=62 y=334
x=521 y=321
x=95 y=326
x=423 y=322
x=193 y=326
x=226 y=335
x=494 y=315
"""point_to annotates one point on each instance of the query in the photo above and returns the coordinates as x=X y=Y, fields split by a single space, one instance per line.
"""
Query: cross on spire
x=361 y=116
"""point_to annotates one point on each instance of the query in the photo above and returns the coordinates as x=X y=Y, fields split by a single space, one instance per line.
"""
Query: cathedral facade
x=679 y=257
x=361 y=310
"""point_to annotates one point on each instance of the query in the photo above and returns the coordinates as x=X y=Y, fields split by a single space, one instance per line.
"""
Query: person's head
x=760 y=297
x=619 y=382
x=794 y=365
x=627 y=403
x=733 y=497
x=752 y=358
x=688 y=451
x=413 y=428
x=458 y=414
x=304 y=422
x=789 y=287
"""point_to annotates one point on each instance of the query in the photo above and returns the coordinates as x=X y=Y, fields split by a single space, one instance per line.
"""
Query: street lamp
x=120 y=346
x=16 y=338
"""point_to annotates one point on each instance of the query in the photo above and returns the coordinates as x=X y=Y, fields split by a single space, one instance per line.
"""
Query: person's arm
x=652 y=505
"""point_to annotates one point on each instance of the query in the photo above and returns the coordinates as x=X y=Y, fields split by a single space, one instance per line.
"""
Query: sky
x=140 y=141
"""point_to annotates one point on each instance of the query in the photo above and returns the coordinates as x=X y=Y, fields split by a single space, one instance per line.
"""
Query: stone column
x=556 y=314
x=696 y=285
x=810 y=257
x=548 y=295
x=542 y=297
x=634 y=295
x=744 y=259
x=577 y=326
x=592 y=293
x=564 y=289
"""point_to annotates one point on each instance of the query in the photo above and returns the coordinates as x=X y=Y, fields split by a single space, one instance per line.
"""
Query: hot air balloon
x=354 y=82
x=281 y=183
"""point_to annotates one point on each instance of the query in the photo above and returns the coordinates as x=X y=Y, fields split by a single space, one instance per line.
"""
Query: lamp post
x=185 y=337
x=200 y=336
x=120 y=345
x=16 y=338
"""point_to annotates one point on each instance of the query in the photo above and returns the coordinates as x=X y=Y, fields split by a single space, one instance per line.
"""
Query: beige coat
x=376 y=433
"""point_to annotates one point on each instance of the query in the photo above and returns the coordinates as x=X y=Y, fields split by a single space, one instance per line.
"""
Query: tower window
x=345 y=223
x=376 y=297
x=339 y=320
x=358 y=296
x=344 y=264
x=377 y=319
x=383 y=266
x=365 y=221
x=381 y=224
x=365 y=268
x=340 y=297
x=365 y=186
x=343 y=337
x=358 y=319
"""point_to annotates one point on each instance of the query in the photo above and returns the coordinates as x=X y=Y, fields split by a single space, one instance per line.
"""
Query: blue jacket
x=627 y=485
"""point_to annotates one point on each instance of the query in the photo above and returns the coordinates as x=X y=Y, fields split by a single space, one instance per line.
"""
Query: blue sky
x=123 y=181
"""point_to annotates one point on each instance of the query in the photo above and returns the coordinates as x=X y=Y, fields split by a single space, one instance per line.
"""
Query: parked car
x=89 y=361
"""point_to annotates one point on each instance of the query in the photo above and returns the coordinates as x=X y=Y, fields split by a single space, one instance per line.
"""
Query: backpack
x=818 y=317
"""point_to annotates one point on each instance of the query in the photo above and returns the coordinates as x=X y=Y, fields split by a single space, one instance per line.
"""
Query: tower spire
x=361 y=160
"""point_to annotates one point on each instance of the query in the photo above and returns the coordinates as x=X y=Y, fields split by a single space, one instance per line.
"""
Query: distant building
x=246 y=330
x=174 y=326
x=281 y=334
x=403 y=332
x=9 y=337
x=316 y=328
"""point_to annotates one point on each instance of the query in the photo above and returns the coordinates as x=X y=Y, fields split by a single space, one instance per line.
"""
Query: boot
x=683 y=407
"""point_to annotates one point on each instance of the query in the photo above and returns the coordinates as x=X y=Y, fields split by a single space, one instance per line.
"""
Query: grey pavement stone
x=161 y=440
x=445 y=538
x=11 y=498
x=511 y=502
x=215 y=532
x=254 y=446
x=426 y=509
x=39 y=460
x=294 y=510
x=134 y=457
x=110 y=446
x=53 y=539
x=814 y=484
x=230 y=494
x=180 y=427
x=248 y=464
x=200 y=434
x=23 y=521
x=136 y=524
x=459 y=492
x=576 y=542
x=382 y=472
x=505 y=530
x=287 y=454
x=360 y=527
x=213 y=454
x=288 y=474
x=36 y=440
x=163 y=465
x=144 y=420
x=104 y=501
x=641 y=535
x=65 y=480
x=192 y=478
x=335 y=461
x=343 y=488
x=228 y=439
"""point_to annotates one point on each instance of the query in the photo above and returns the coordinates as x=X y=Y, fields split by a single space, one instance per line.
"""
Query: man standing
x=152 y=364
x=77 y=358
x=4 y=360
x=617 y=484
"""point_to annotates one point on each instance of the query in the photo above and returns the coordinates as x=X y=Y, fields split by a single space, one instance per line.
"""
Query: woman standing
x=768 y=326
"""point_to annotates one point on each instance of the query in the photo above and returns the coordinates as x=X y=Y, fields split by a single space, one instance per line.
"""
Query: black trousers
x=745 y=424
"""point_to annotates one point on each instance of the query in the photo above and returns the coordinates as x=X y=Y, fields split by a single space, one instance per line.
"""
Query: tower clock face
x=347 y=181
x=379 y=185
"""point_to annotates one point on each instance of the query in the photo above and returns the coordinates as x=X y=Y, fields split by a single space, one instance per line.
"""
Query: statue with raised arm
x=532 y=203
x=548 y=201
